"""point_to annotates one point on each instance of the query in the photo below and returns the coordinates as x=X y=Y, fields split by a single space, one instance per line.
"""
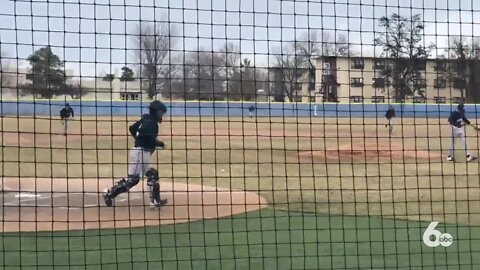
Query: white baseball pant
x=65 y=124
x=458 y=132
x=139 y=161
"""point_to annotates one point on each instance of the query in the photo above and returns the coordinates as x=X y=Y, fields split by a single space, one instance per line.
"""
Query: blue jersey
x=390 y=114
x=66 y=112
x=458 y=119
x=145 y=132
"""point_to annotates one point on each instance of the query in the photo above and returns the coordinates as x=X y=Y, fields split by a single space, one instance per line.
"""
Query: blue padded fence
x=224 y=109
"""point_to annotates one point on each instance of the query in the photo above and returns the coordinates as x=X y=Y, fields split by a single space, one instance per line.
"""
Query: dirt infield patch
x=370 y=152
x=43 y=204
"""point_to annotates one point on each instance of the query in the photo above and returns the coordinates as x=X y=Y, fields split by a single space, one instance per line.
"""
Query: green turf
x=261 y=240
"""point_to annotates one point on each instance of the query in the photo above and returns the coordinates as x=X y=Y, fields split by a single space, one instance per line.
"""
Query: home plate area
x=43 y=204
x=72 y=200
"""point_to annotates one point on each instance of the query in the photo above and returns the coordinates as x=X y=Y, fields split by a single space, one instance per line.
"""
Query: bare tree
x=287 y=72
x=154 y=43
x=230 y=55
x=203 y=76
x=244 y=85
x=230 y=62
x=464 y=56
x=306 y=50
x=4 y=66
x=342 y=46
x=310 y=45
x=333 y=45
x=403 y=46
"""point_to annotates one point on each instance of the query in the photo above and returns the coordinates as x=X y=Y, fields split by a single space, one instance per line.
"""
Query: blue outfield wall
x=192 y=108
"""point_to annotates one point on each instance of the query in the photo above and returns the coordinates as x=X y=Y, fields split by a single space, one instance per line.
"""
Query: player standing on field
x=251 y=110
x=65 y=114
x=145 y=132
x=458 y=120
x=390 y=114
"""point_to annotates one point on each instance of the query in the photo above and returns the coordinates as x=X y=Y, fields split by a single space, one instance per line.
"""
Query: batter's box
x=70 y=200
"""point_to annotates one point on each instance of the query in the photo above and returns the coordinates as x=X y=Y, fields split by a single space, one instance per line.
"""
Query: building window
x=129 y=96
x=356 y=82
x=458 y=100
x=459 y=84
x=422 y=83
x=356 y=99
x=358 y=63
x=379 y=82
x=379 y=64
x=441 y=66
x=330 y=79
x=440 y=99
x=419 y=99
x=326 y=68
x=378 y=99
x=440 y=83
x=421 y=64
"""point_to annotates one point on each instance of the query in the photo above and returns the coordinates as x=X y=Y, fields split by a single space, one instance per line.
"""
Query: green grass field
x=361 y=214
x=260 y=240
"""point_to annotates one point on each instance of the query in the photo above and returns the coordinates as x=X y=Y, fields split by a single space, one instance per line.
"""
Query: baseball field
x=262 y=193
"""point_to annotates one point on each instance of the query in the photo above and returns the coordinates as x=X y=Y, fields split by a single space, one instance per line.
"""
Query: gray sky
x=101 y=31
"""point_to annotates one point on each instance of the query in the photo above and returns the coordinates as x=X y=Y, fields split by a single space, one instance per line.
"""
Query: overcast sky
x=95 y=37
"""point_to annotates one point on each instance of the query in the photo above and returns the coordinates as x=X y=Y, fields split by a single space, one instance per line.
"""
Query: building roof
x=379 y=57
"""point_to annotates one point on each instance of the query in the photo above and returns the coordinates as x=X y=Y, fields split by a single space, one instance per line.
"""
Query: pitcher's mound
x=370 y=152
x=43 y=204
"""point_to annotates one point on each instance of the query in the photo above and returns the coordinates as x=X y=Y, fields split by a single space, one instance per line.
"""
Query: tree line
x=406 y=57
x=229 y=74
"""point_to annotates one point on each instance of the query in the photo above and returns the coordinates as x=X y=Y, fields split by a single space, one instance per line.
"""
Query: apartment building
x=360 y=79
x=293 y=80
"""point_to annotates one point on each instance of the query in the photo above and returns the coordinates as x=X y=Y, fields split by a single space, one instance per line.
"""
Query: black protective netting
x=239 y=134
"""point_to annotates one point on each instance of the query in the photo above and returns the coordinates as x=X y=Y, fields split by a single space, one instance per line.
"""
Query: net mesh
x=297 y=134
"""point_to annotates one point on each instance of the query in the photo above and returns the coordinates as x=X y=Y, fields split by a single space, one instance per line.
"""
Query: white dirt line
x=53 y=207
x=29 y=205
x=38 y=198
x=78 y=207
x=26 y=195
x=205 y=192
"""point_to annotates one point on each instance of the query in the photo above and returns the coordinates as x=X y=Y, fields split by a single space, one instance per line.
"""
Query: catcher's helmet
x=157 y=106
x=461 y=107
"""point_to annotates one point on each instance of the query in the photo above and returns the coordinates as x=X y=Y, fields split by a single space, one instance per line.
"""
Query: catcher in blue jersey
x=145 y=132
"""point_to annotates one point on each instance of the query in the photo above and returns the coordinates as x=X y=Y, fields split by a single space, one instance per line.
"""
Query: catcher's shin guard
x=121 y=187
x=154 y=187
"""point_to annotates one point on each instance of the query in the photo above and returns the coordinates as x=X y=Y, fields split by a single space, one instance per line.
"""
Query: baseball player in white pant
x=145 y=132
x=458 y=121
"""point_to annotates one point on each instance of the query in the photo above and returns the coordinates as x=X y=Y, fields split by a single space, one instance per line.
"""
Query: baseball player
x=65 y=114
x=145 y=132
x=251 y=110
x=390 y=114
x=458 y=120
